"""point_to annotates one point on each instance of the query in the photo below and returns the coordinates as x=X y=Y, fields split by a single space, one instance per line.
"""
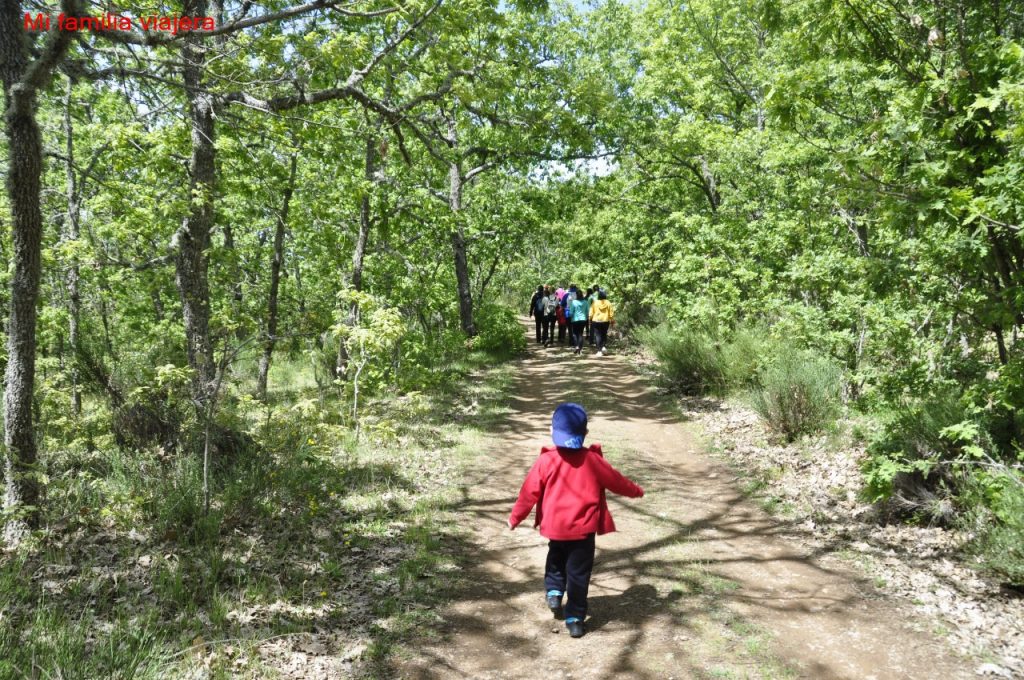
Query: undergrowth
x=799 y=393
x=940 y=457
x=309 y=530
x=795 y=390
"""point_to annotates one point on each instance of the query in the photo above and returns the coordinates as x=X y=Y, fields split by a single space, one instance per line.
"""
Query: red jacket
x=567 y=486
x=560 y=316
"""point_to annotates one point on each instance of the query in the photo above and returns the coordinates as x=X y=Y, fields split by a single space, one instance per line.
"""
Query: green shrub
x=997 y=518
x=902 y=468
x=499 y=331
x=745 y=356
x=690 y=360
x=799 y=393
x=923 y=464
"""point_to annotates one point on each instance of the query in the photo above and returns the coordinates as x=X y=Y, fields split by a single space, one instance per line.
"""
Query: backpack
x=539 y=305
x=550 y=303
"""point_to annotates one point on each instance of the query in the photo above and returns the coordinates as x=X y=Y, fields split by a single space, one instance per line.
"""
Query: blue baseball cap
x=569 y=426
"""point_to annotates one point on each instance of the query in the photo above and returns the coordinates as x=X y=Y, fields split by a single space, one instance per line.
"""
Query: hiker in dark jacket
x=537 y=310
x=550 y=302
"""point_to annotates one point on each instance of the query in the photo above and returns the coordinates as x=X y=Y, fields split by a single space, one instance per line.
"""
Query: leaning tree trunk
x=194 y=235
x=276 y=263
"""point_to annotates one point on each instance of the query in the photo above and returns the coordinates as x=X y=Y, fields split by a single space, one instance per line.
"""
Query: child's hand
x=511 y=527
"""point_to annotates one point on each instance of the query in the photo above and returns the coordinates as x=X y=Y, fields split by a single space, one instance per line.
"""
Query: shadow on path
x=696 y=582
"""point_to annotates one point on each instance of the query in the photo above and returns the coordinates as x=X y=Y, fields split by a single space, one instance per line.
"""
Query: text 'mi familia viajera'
x=117 y=22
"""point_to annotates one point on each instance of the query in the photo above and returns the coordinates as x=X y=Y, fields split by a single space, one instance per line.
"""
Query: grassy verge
x=317 y=555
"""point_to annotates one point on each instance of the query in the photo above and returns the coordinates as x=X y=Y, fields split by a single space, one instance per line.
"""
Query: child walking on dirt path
x=567 y=484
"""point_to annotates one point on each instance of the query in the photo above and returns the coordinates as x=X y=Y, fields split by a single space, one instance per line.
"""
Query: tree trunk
x=24 y=168
x=490 y=275
x=365 y=217
x=1004 y=357
x=299 y=292
x=458 y=238
x=362 y=238
x=105 y=320
x=4 y=257
x=276 y=263
x=710 y=185
x=858 y=228
x=158 y=305
x=194 y=235
x=236 y=277
x=72 y=235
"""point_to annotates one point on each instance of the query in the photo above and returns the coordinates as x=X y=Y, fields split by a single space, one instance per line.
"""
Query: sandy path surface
x=698 y=582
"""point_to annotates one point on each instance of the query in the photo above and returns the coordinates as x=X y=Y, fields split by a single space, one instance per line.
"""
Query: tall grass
x=799 y=393
x=796 y=391
x=690 y=359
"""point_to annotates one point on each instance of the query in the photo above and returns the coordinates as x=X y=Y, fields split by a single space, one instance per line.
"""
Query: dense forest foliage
x=816 y=204
x=820 y=202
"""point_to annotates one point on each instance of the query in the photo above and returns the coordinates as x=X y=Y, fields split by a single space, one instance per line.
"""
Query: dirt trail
x=698 y=581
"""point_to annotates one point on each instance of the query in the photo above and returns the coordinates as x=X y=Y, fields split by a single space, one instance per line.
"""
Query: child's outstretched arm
x=529 y=494
x=616 y=482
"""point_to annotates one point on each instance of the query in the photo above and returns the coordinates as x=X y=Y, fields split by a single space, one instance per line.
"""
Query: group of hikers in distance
x=568 y=481
x=571 y=309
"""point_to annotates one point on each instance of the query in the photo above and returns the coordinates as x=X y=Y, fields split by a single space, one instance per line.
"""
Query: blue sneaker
x=575 y=626
x=555 y=601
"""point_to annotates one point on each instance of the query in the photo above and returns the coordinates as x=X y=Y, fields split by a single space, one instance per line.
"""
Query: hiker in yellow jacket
x=602 y=316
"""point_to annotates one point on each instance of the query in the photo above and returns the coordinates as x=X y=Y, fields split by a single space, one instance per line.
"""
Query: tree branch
x=56 y=46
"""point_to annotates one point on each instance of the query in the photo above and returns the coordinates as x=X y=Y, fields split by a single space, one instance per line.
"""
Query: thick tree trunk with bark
x=21 y=80
x=194 y=235
x=4 y=257
x=276 y=264
x=23 y=180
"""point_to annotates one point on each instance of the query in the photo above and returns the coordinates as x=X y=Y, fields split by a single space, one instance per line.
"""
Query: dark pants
x=601 y=333
x=590 y=332
x=548 y=329
x=561 y=333
x=568 y=571
x=577 y=333
x=538 y=322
